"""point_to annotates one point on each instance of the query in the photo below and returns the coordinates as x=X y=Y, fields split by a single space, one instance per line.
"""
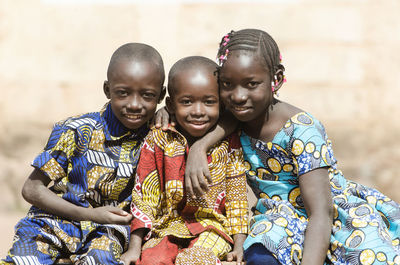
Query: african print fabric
x=160 y=204
x=92 y=161
x=366 y=225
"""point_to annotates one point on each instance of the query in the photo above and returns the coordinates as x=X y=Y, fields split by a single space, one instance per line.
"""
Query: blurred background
x=342 y=64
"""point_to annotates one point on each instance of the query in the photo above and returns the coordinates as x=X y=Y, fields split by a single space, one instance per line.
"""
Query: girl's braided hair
x=252 y=40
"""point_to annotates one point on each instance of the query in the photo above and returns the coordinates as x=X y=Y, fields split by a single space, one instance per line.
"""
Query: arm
x=132 y=255
x=196 y=162
x=36 y=192
x=237 y=252
x=316 y=193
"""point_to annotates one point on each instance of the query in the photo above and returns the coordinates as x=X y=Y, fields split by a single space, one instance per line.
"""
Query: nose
x=239 y=95
x=134 y=102
x=197 y=109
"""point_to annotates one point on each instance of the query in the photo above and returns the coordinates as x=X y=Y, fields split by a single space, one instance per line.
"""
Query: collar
x=114 y=130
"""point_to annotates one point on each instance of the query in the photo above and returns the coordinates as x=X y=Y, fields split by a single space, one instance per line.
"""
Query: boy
x=179 y=229
x=90 y=159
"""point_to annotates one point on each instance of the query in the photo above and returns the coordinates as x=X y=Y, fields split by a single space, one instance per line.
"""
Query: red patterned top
x=160 y=203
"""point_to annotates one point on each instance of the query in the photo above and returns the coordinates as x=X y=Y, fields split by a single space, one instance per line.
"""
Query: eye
x=225 y=84
x=185 y=102
x=121 y=93
x=149 y=95
x=253 y=84
x=210 y=102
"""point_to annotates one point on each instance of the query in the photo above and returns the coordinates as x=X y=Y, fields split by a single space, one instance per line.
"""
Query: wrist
x=199 y=146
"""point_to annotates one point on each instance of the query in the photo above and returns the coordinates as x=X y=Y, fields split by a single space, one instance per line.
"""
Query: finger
x=239 y=258
x=229 y=257
x=157 y=120
x=202 y=183
x=119 y=211
x=165 y=122
x=208 y=175
x=188 y=187
x=198 y=191
x=173 y=120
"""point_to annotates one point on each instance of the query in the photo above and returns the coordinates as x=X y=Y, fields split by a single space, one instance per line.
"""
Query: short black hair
x=189 y=63
x=136 y=52
x=253 y=40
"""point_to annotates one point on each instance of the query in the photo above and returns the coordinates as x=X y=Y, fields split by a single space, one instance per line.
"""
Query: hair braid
x=252 y=40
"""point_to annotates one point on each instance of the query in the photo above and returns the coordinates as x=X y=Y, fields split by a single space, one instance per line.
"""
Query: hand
x=130 y=257
x=109 y=215
x=196 y=170
x=235 y=255
x=162 y=119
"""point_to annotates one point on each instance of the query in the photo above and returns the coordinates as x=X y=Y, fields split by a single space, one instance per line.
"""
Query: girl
x=306 y=210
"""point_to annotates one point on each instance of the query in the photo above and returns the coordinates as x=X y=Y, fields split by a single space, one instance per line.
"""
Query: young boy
x=91 y=160
x=179 y=229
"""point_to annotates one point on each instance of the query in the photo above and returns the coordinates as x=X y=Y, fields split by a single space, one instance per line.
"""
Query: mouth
x=197 y=122
x=133 y=116
x=239 y=108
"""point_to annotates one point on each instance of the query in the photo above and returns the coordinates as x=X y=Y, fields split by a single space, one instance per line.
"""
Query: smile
x=198 y=122
x=240 y=108
x=133 y=117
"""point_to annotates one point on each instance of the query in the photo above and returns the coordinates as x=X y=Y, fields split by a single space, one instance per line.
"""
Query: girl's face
x=245 y=86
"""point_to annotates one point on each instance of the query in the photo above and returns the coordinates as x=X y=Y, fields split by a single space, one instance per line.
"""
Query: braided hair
x=252 y=40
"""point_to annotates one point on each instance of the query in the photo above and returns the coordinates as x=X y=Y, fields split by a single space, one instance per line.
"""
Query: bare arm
x=132 y=255
x=237 y=252
x=196 y=162
x=317 y=198
x=36 y=192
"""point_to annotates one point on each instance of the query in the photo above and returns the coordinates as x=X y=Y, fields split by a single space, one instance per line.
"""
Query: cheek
x=224 y=96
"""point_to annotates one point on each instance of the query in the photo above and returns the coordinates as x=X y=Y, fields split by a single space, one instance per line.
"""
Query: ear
x=106 y=89
x=169 y=105
x=162 y=94
x=280 y=78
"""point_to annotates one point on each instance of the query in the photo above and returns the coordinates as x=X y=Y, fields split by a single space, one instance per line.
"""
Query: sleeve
x=146 y=194
x=236 y=204
x=310 y=146
x=54 y=160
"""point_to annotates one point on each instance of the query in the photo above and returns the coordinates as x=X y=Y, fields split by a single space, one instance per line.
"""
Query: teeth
x=240 y=108
x=133 y=116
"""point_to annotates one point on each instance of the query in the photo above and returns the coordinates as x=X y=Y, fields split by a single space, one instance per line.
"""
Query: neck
x=258 y=127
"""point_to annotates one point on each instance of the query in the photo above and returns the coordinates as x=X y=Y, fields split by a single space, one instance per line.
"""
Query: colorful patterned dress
x=92 y=160
x=366 y=225
x=182 y=230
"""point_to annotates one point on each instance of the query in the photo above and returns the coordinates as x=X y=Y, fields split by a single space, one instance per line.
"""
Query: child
x=306 y=211
x=177 y=229
x=90 y=159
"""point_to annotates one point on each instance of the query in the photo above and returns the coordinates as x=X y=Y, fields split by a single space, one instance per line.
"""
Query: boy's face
x=195 y=102
x=134 y=90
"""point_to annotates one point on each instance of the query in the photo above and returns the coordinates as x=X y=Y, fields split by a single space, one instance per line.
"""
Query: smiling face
x=245 y=86
x=195 y=101
x=134 y=89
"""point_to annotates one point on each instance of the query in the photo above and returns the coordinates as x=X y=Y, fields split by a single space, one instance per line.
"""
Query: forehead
x=125 y=70
x=242 y=60
x=197 y=81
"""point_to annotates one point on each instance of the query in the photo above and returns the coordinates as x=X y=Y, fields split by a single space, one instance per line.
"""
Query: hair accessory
x=273 y=86
x=222 y=58
x=226 y=40
x=280 y=57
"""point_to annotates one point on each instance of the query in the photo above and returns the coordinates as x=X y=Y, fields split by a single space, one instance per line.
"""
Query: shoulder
x=91 y=119
x=163 y=138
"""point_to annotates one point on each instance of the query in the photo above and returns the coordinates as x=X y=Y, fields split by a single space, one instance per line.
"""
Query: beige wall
x=341 y=57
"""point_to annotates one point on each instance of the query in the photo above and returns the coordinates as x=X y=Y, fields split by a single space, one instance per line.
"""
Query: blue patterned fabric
x=366 y=226
x=92 y=161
